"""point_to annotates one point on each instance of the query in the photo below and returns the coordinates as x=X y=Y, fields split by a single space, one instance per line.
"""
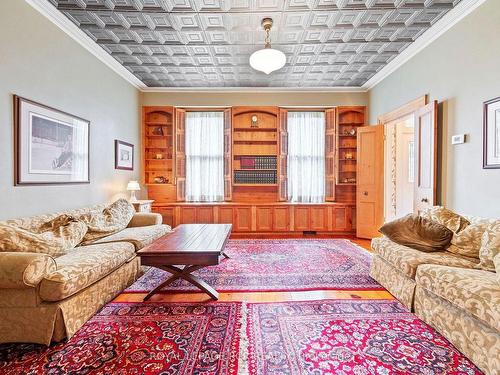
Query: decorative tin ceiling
x=207 y=43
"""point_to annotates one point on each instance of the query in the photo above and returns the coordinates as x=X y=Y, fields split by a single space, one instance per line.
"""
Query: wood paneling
x=302 y=218
x=242 y=219
x=319 y=218
x=225 y=215
x=187 y=215
x=264 y=219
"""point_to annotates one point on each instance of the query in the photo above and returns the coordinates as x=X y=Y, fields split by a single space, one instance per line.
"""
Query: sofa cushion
x=407 y=260
x=475 y=291
x=448 y=218
x=53 y=237
x=111 y=219
x=468 y=241
x=83 y=266
x=418 y=233
x=496 y=261
x=490 y=246
x=138 y=236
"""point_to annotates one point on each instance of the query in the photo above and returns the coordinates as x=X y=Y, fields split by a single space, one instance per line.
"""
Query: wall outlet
x=457 y=139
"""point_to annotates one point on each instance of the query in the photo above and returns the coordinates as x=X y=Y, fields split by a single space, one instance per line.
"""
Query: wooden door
x=370 y=181
x=242 y=219
x=281 y=219
x=180 y=154
x=264 y=219
x=330 y=117
x=228 y=156
x=283 y=155
x=425 y=140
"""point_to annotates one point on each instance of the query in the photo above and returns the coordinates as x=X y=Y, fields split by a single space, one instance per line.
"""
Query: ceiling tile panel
x=207 y=43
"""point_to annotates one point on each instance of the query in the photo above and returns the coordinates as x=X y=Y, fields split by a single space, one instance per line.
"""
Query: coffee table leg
x=223 y=253
x=184 y=273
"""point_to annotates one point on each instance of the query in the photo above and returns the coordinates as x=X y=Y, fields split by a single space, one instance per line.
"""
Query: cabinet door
x=205 y=215
x=242 y=219
x=167 y=214
x=264 y=219
x=187 y=215
x=340 y=220
x=302 y=218
x=281 y=218
x=225 y=215
x=319 y=218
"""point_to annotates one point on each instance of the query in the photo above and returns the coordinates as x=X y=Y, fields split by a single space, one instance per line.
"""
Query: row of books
x=254 y=177
x=258 y=162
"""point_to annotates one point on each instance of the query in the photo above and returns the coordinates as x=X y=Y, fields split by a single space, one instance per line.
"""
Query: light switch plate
x=457 y=139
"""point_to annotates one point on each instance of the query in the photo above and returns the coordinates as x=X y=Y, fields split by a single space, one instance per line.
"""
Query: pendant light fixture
x=268 y=59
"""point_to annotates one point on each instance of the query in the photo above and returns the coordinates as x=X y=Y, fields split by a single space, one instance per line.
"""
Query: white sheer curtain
x=204 y=156
x=306 y=157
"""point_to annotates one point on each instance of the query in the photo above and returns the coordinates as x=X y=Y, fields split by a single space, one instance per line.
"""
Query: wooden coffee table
x=187 y=249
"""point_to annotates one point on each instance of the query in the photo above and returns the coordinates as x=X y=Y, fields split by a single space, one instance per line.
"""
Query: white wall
x=38 y=61
x=461 y=69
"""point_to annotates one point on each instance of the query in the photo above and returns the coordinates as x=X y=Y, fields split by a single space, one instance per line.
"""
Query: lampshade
x=133 y=186
x=267 y=60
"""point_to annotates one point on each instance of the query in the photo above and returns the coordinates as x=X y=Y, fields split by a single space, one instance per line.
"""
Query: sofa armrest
x=142 y=219
x=24 y=270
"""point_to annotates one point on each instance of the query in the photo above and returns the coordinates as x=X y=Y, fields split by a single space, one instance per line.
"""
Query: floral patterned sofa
x=46 y=298
x=456 y=291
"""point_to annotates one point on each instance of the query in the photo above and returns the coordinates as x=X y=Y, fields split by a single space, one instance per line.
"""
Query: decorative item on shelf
x=158 y=156
x=352 y=131
x=268 y=59
x=348 y=156
x=158 y=130
x=133 y=186
x=160 y=180
x=124 y=155
x=254 y=123
x=350 y=180
x=52 y=147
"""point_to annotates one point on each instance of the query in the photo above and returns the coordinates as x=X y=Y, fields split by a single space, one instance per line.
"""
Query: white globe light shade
x=267 y=60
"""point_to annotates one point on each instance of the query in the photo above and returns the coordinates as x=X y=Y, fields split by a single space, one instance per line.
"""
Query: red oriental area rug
x=139 y=338
x=378 y=337
x=278 y=265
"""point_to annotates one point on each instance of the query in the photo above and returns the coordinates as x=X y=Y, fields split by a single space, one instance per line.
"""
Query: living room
x=171 y=206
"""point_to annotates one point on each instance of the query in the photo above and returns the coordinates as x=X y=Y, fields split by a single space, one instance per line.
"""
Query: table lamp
x=133 y=186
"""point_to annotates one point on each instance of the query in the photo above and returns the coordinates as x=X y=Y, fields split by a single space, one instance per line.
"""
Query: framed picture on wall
x=124 y=155
x=491 y=136
x=51 y=146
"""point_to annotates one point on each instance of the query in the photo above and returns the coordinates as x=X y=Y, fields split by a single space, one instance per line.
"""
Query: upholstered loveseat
x=449 y=291
x=44 y=298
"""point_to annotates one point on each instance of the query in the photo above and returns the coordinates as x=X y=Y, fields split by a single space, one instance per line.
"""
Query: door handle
x=365 y=193
x=425 y=200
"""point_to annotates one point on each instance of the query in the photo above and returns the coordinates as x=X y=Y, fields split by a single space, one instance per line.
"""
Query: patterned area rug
x=347 y=337
x=278 y=265
x=139 y=338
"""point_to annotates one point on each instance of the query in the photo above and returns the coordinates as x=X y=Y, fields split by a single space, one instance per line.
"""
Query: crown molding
x=255 y=89
x=455 y=15
x=60 y=20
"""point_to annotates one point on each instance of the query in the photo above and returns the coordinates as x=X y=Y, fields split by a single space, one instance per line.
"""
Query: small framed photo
x=124 y=155
x=50 y=146
x=491 y=135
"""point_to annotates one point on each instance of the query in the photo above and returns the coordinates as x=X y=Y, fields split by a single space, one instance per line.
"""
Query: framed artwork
x=124 y=155
x=50 y=146
x=491 y=136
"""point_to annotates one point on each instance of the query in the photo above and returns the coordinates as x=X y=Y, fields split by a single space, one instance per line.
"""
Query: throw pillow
x=490 y=247
x=418 y=232
x=448 y=218
x=468 y=241
x=112 y=219
x=54 y=237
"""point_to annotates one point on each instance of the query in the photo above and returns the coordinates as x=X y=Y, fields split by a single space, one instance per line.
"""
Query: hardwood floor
x=266 y=296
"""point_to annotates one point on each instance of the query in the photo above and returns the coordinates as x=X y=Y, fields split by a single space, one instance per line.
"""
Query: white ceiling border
x=451 y=18
x=61 y=21
x=455 y=15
